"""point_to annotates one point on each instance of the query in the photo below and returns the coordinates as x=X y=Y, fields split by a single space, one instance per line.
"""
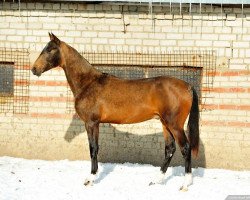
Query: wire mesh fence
x=14 y=80
x=194 y=67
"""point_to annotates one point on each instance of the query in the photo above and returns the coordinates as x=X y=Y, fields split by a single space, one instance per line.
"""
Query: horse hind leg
x=170 y=149
x=185 y=148
x=186 y=152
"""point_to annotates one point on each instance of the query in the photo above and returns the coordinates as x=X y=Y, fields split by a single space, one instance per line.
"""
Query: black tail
x=193 y=124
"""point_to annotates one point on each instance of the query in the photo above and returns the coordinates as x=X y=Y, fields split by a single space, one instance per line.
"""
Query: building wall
x=47 y=132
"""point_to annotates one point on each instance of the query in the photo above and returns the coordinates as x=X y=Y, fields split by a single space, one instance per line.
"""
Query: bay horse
x=103 y=98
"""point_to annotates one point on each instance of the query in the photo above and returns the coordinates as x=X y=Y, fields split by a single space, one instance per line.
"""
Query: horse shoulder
x=87 y=102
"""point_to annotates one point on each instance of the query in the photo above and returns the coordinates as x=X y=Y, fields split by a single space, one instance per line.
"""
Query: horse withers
x=103 y=98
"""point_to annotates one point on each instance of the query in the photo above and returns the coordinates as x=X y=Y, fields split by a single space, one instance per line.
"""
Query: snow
x=38 y=179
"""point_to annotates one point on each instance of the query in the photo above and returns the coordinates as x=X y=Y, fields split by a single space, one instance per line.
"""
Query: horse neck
x=79 y=72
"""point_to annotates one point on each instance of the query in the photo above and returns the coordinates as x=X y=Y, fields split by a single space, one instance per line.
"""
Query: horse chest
x=87 y=108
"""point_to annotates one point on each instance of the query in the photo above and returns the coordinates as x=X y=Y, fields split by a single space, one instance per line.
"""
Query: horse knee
x=94 y=148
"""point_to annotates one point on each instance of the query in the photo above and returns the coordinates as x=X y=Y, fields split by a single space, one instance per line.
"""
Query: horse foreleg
x=93 y=134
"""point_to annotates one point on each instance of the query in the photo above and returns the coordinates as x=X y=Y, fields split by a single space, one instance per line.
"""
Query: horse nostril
x=33 y=70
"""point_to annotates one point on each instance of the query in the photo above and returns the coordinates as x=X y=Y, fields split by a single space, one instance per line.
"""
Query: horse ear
x=54 y=38
x=50 y=36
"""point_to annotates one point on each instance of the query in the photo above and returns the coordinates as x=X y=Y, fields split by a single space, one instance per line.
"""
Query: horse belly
x=127 y=115
x=129 y=102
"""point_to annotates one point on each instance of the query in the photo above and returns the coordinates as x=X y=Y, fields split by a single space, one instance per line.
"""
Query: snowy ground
x=37 y=179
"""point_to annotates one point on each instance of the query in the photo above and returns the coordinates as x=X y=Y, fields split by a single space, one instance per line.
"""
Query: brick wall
x=47 y=132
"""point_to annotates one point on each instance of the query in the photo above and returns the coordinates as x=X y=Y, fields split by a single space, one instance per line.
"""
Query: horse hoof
x=187 y=182
x=183 y=189
x=151 y=183
x=88 y=183
x=158 y=179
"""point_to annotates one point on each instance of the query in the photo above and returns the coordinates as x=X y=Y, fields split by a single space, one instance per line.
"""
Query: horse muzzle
x=35 y=71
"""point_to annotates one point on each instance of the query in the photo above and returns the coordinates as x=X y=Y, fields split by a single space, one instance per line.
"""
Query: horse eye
x=51 y=49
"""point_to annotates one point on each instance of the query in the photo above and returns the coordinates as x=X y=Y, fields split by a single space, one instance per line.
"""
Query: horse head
x=49 y=58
